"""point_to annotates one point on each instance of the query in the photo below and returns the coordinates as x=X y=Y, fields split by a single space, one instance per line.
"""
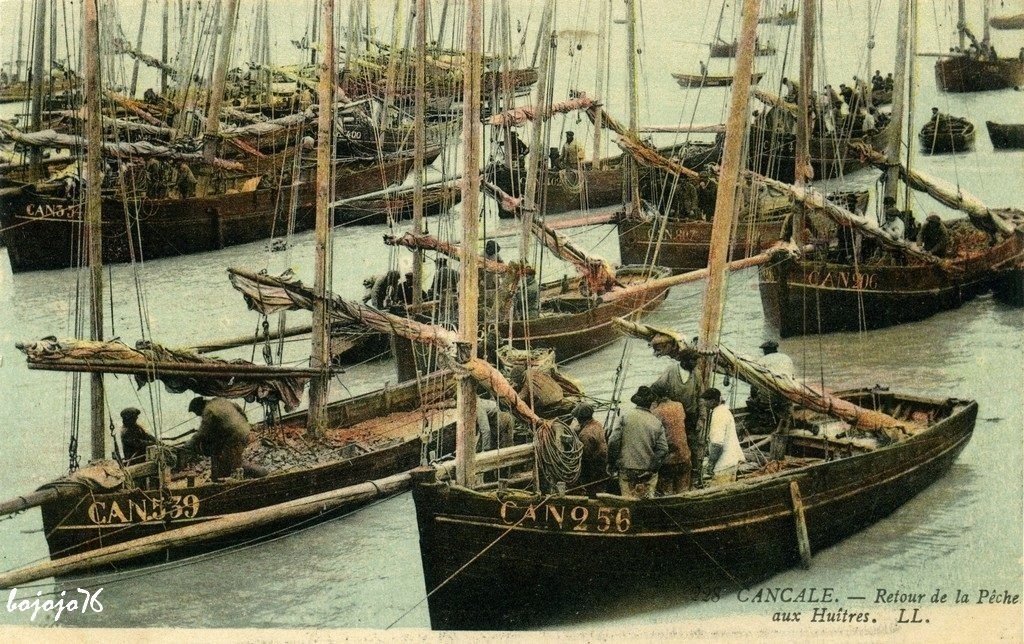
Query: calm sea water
x=363 y=571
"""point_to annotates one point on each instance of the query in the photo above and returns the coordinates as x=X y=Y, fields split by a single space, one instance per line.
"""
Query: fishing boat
x=1015 y=21
x=723 y=49
x=946 y=134
x=705 y=80
x=1006 y=136
x=976 y=68
x=394 y=206
x=851 y=288
x=522 y=555
x=783 y=18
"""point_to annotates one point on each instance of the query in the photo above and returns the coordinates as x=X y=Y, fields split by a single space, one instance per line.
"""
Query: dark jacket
x=638 y=441
x=134 y=440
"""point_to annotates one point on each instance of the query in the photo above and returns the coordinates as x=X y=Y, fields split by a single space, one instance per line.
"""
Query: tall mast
x=227 y=29
x=465 y=440
x=803 y=123
x=961 y=22
x=892 y=146
x=871 y=47
x=138 y=46
x=419 y=143
x=536 y=133
x=93 y=204
x=38 y=58
x=986 y=33
x=728 y=181
x=320 y=354
x=18 y=60
x=632 y=92
x=602 y=53
x=163 y=47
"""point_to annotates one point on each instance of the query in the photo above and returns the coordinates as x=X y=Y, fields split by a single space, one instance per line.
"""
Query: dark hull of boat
x=805 y=297
x=78 y=524
x=727 y=50
x=696 y=80
x=573 y=327
x=968 y=74
x=1008 y=136
x=951 y=136
x=513 y=561
x=365 y=212
x=44 y=232
x=774 y=155
x=684 y=244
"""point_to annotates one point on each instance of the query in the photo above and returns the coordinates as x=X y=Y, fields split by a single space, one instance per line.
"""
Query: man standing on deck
x=674 y=475
x=637 y=446
x=934 y=236
x=893 y=226
x=572 y=153
x=223 y=435
x=767 y=408
x=594 y=463
x=724 y=452
x=134 y=438
x=445 y=288
x=682 y=388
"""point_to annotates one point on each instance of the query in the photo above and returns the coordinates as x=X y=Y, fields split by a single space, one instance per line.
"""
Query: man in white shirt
x=894 y=226
x=767 y=408
x=724 y=453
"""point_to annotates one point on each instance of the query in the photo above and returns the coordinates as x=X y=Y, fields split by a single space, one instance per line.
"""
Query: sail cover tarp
x=149 y=362
x=264 y=128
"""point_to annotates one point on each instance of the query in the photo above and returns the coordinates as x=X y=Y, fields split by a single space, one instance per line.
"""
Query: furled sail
x=787 y=385
x=429 y=242
x=527 y=113
x=598 y=273
x=122 y=46
x=179 y=370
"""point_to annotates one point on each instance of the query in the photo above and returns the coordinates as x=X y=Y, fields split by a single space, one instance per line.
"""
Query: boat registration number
x=49 y=211
x=578 y=518
x=143 y=509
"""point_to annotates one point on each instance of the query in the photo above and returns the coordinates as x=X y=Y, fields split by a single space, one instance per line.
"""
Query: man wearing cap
x=674 y=475
x=682 y=386
x=934 y=236
x=572 y=153
x=893 y=226
x=134 y=439
x=766 y=407
x=724 y=453
x=223 y=435
x=637 y=447
x=594 y=463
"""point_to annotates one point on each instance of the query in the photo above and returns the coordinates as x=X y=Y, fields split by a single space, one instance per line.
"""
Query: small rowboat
x=704 y=80
x=1009 y=136
x=947 y=134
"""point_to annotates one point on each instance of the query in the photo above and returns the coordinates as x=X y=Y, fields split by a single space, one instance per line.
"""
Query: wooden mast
x=163 y=47
x=320 y=354
x=93 y=205
x=892 y=146
x=802 y=170
x=465 y=439
x=530 y=199
x=603 y=33
x=419 y=144
x=138 y=47
x=219 y=81
x=721 y=229
x=38 y=58
x=961 y=23
x=632 y=93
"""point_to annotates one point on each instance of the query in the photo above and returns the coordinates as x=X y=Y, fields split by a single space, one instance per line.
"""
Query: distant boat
x=947 y=134
x=979 y=68
x=722 y=49
x=1007 y=22
x=704 y=80
x=1008 y=136
x=782 y=18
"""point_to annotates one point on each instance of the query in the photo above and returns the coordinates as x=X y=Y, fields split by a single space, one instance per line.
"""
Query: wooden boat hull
x=697 y=80
x=968 y=74
x=81 y=523
x=950 y=136
x=364 y=212
x=516 y=560
x=774 y=155
x=1009 y=136
x=573 y=327
x=808 y=297
x=685 y=243
x=44 y=232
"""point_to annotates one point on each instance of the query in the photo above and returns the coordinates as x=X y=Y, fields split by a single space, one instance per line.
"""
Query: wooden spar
x=892 y=146
x=48 y=494
x=869 y=61
x=419 y=144
x=686 y=278
x=38 y=58
x=706 y=128
x=227 y=29
x=986 y=34
x=632 y=92
x=225 y=370
x=961 y=22
x=163 y=46
x=93 y=216
x=242 y=340
x=803 y=123
x=800 y=518
x=536 y=156
x=320 y=356
x=208 y=530
x=465 y=438
x=138 y=45
x=602 y=54
x=21 y=33
x=721 y=229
